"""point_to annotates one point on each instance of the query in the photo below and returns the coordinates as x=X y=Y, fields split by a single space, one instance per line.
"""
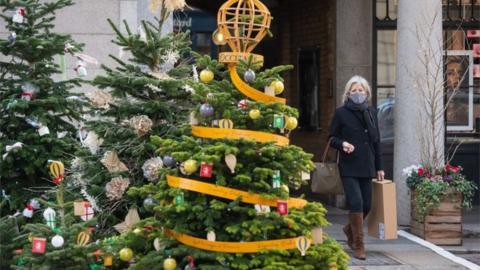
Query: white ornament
x=43 y=130
x=49 y=216
x=157 y=244
x=57 y=241
x=61 y=134
x=28 y=213
x=35 y=204
x=89 y=213
x=211 y=236
x=195 y=73
x=19 y=15
x=262 y=209
x=193 y=119
x=12 y=148
x=92 y=142
x=305 y=176
x=269 y=91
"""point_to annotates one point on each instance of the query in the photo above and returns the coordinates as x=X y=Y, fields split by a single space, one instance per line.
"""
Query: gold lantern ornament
x=242 y=24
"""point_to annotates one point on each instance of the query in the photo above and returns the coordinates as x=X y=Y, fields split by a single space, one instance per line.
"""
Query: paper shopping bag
x=382 y=219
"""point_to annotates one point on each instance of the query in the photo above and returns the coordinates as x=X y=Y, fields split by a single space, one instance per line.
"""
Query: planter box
x=443 y=225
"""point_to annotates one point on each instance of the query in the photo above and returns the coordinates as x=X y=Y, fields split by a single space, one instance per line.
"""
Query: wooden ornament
x=78 y=208
x=269 y=91
x=243 y=33
x=231 y=161
x=211 y=236
x=317 y=236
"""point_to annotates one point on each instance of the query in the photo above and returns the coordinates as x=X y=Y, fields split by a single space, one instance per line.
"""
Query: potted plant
x=438 y=196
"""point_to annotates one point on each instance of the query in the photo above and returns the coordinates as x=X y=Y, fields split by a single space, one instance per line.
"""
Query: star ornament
x=131 y=219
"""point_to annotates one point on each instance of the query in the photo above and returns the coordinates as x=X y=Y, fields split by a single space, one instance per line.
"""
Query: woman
x=354 y=132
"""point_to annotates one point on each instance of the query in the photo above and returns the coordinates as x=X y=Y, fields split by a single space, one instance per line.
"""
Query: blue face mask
x=358 y=97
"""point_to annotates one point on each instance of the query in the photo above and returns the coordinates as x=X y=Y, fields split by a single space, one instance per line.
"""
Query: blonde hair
x=357 y=80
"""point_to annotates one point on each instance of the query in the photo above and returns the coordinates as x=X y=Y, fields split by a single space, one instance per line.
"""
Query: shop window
x=309 y=84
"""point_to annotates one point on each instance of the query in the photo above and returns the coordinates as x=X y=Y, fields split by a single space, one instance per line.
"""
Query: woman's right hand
x=348 y=148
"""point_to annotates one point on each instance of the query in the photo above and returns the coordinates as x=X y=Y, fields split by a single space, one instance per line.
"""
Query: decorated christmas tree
x=61 y=237
x=38 y=111
x=223 y=196
x=143 y=95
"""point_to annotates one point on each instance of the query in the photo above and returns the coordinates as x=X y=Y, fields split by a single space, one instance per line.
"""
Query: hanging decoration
x=291 y=123
x=126 y=254
x=282 y=207
x=211 y=236
x=254 y=114
x=278 y=121
x=57 y=170
x=231 y=161
x=88 y=212
x=100 y=99
x=83 y=238
x=277 y=86
x=169 y=264
x=206 y=76
x=81 y=68
x=151 y=167
x=28 y=91
x=249 y=76
x=225 y=123
x=149 y=202
x=12 y=38
x=131 y=219
x=190 y=166
x=113 y=164
x=169 y=161
x=12 y=148
x=142 y=124
x=39 y=245
x=19 y=15
x=57 y=241
x=116 y=187
x=49 y=216
x=43 y=130
x=303 y=244
x=92 y=142
x=206 y=170
x=262 y=209
x=180 y=198
x=243 y=104
x=206 y=110
x=28 y=211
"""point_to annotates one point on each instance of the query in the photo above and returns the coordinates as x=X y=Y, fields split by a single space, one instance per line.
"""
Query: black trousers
x=358 y=192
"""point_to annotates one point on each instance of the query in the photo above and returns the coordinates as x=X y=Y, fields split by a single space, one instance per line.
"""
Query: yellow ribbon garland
x=236 y=134
x=249 y=91
x=229 y=193
x=236 y=247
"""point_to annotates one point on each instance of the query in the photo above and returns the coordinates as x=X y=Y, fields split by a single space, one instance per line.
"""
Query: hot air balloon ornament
x=58 y=171
x=303 y=244
x=242 y=24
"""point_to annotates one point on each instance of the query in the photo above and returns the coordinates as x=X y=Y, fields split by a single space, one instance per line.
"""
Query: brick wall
x=300 y=24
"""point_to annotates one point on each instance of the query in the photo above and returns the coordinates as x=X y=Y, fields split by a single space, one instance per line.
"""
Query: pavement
x=403 y=254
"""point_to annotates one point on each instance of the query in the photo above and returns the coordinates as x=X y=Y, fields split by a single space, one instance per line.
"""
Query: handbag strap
x=327 y=147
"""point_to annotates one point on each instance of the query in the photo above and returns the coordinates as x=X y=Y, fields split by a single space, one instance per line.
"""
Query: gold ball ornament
x=218 y=38
x=291 y=123
x=285 y=188
x=254 y=114
x=138 y=231
x=190 y=166
x=206 y=75
x=169 y=264
x=126 y=254
x=278 y=86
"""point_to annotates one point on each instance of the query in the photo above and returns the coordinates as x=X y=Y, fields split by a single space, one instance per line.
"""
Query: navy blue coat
x=348 y=125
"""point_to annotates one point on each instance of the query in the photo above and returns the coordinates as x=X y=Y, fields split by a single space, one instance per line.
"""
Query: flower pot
x=442 y=225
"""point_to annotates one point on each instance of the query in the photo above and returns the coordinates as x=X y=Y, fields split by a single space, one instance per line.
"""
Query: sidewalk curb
x=440 y=251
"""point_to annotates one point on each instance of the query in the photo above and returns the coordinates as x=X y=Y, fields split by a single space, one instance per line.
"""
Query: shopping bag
x=382 y=219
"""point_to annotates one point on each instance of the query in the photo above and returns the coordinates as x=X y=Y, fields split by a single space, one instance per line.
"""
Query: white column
x=419 y=72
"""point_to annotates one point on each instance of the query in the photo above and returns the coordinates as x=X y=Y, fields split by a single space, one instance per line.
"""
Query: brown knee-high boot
x=356 y=224
x=347 y=229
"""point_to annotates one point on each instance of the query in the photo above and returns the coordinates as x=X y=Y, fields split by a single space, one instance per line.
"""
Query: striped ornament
x=83 y=238
x=303 y=244
x=57 y=170
x=225 y=123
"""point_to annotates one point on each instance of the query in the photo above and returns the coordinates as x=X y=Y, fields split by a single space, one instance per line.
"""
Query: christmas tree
x=60 y=240
x=141 y=96
x=223 y=198
x=37 y=111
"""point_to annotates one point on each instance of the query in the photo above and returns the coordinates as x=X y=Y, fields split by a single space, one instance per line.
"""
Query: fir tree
x=37 y=111
x=141 y=96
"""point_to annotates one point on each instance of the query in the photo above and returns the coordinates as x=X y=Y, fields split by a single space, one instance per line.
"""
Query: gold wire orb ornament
x=243 y=24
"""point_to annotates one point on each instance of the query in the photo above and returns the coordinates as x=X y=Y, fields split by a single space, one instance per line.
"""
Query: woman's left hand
x=380 y=175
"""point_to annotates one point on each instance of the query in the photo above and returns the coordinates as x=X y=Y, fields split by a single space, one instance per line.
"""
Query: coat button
x=365 y=142
x=366 y=130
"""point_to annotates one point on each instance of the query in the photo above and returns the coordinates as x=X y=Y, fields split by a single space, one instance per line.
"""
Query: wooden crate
x=443 y=225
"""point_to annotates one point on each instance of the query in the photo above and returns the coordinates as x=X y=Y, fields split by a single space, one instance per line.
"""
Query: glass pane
x=203 y=43
x=386 y=102
x=381 y=6
x=386 y=57
x=454 y=39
